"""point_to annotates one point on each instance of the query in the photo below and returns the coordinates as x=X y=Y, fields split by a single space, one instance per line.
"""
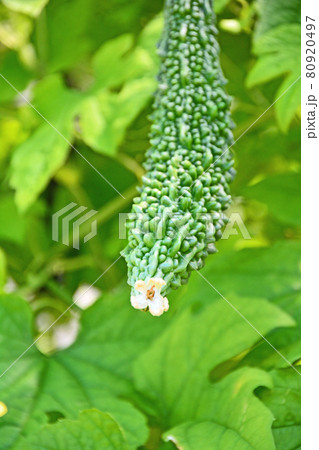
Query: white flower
x=149 y=296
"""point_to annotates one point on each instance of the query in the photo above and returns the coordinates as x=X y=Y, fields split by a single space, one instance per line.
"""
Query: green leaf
x=265 y=152
x=284 y=402
x=281 y=193
x=273 y=13
x=67 y=33
x=116 y=62
x=232 y=417
x=272 y=273
x=285 y=340
x=89 y=374
x=54 y=101
x=93 y=429
x=38 y=158
x=109 y=62
x=149 y=38
x=173 y=372
x=219 y=5
x=30 y=7
x=16 y=74
x=106 y=114
x=289 y=103
x=288 y=36
x=194 y=435
x=19 y=388
x=110 y=327
x=279 y=53
x=3 y=269
x=35 y=161
x=104 y=118
x=15 y=28
x=12 y=225
x=269 y=272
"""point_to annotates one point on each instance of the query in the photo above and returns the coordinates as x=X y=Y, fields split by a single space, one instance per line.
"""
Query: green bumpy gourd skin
x=179 y=213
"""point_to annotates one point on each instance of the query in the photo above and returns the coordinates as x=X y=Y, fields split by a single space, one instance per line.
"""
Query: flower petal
x=139 y=301
x=140 y=286
x=165 y=304
x=157 y=282
x=156 y=306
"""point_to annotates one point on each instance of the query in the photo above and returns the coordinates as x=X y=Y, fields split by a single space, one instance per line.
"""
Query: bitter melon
x=179 y=213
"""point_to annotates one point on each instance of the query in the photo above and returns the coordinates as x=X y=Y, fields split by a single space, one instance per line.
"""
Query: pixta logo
x=234 y=224
x=65 y=228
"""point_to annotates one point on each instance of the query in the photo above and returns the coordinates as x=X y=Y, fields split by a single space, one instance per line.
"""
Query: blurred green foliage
x=200 y=376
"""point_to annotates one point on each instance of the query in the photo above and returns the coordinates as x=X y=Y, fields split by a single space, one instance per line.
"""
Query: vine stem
x=44 y=275
x=111 y=208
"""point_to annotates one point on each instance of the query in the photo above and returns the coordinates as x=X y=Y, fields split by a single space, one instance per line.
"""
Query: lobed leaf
x=273 y=13
x=173 y=372
x=93 y=429
x=88 y=374
x=278 y=52
x=104 y=118
x=284 y=402
x=229 y=416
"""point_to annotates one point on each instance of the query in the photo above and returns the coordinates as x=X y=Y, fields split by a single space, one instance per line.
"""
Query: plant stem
x=111 y=208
